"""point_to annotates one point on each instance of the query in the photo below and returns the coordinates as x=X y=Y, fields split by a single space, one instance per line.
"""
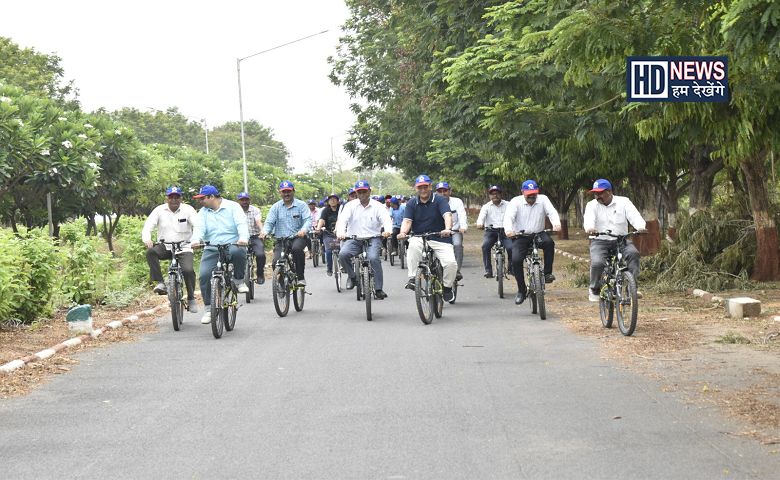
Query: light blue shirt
x=227 y=224
x=398 y=215
x=284 y=221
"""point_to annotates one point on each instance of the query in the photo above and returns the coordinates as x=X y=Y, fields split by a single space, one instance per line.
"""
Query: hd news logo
x=677 y=79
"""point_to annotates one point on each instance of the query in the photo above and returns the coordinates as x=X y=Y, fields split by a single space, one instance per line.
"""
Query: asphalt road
x=486 y=392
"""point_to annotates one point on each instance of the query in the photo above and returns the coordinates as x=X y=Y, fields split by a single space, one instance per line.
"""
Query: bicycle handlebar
x=609 y=233
x=362 y=239
x=522 y=233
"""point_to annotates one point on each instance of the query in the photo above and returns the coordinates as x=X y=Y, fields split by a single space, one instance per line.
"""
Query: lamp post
x=240 y=101
x=206 y=129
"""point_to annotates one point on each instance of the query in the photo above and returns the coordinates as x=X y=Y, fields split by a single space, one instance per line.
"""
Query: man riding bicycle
x=427 y=213
x=608 y=212
x=459 y=223
x=174 y=222
x=327 y=225
x=254 y=221
x=526 y=213
x=363 y=218
x=492 y=213
x=287 y=218
x=396 y=212
x=220 y=221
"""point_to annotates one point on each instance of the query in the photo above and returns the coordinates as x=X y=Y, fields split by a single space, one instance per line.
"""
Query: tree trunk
x=767 y=263
x=703 y=170
x=646 y=203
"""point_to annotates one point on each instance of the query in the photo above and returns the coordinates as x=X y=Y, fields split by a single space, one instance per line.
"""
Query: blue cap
x=321 y=203
x=311 y=200
x=395 y=201
x=494 y=188
x=242 y=195
x=601 y=184
x=286 y=185
x=351 y=191
x=443 y=185
x=422 y=180
x=362 y=185
x=207 y=190
x=333 y=195
x=529 y=187
x=172 y=191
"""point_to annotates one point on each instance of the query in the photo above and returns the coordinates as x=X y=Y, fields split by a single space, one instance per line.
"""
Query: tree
x=225 y=142
x=36 y=73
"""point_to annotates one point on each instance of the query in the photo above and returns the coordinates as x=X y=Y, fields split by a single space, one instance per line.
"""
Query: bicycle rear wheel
x=281 y=292
x=537 y=284
x=299 y=295
x=402 y=254
x=315 y=252
x=437 y=297
x=230 y=309
x=358 y=282
x=626 y=303
x=337 y=274
x=606 y=308
x=176 y=302
x=392 y=258
x=249 y=278
x=454 y=292
x=368 y=280
x=217 y=323
x=422 y=295
x=500 y=275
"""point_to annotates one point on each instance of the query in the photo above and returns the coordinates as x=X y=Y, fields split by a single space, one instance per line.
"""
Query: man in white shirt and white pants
x=608 y=212
x=525 y=215
x=363 y=218
x=174 y=222
x=459 y=223
x=491 y=215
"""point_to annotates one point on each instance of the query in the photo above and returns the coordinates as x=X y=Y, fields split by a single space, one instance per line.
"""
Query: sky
x=165 y=53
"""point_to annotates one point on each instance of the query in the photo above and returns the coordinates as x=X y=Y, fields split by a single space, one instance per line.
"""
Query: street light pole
x=240 y=100
x=206 y=129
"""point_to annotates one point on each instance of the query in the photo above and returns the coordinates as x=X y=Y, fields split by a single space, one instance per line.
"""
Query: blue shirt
x=398 y=215
x=429 y=216
x=227 y=224
x=284 y=221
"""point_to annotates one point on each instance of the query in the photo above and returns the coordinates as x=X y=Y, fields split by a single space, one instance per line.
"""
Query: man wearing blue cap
x=396 y=212
x=289 y=217
x=254 y=221
x=526 y=214
x=363 y=218
x=174 y=222
x=491 y=215
x=220 y=221
x=459 y=223
x=429 y=213
x=608 y=212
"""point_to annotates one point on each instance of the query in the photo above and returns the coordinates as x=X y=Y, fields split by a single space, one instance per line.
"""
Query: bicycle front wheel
x=217 y=323
x=230 y=309
x=299 y=295
x=176 y=302
x=500 y=275
x=626 y=303
x=337 y=274
x=315 y=252
x=249 y=279
x=537 y=285
x=281 y=292
x=359 y=287
x=402 y=254
x=422 y=295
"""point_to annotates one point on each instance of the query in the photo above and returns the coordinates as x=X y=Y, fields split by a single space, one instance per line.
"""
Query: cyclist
x=174 y=222
x=492 y=213
x=315 y=215
x=363 y=217
x=526 y=213
x=609 y=212
x=220 y=221
x=397 y=214
x=327 y=225
x=289 y=217
x=459 y=223
x=254 y=221
x=428 y=212
x=351 y=195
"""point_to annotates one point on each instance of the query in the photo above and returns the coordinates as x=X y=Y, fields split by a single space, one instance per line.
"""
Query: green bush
x=12 y=281
x=85 y=267
x=40 y=261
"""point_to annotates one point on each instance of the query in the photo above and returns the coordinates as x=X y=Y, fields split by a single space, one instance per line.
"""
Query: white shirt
x=368 y=221
x=459 y=219
x=615 y=217
x=522 y=217
x=492 y=214
x=171 y=226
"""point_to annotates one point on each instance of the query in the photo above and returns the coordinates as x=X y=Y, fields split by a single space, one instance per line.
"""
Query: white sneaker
x=206 y=317
x=592 y=297
x=243 y=288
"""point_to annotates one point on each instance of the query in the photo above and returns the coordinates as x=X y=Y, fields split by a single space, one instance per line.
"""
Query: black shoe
x=549 y=278
x=330 y=273
x=161 y=289
x=260 y=280
x=380 y=295
x=458 y=277
x=350 y=283
x=410 y=284
x=488 y=274
x=519 y=298
x=448 y=295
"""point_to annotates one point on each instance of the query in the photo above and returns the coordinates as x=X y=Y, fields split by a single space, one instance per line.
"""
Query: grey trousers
x=598 y=257
x=351 y=248
x=457 y=245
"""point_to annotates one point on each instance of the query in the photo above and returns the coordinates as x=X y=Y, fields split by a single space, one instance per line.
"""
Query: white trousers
x=443 y=251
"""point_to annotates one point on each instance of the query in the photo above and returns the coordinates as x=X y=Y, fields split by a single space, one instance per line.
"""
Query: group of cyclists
x=361 y=217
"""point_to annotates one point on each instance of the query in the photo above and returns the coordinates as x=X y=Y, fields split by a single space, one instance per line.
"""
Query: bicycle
x=249 y=274
x=364 y=275
x=428 y=283
x=335 y=248
x=224 y=295
x=285 y=281
x=535 y=274
x=315 y=247
x=175 y=285
x=617 y=296
x=498 y=252
x=402 y=253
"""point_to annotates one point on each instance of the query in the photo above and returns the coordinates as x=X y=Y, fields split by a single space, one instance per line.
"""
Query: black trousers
x=258 y=250
x=521 y=246
x=159 y=252
x=488 y=240
x=297 y=253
